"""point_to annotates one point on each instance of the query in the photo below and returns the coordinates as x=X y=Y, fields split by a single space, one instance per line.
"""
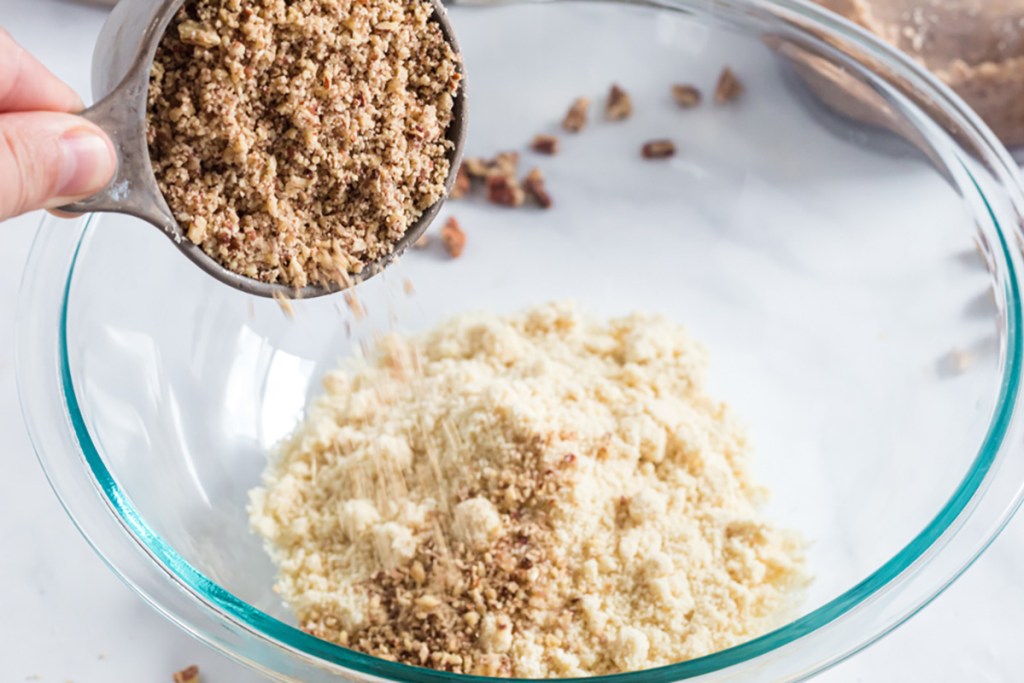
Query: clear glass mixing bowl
x=845 y=239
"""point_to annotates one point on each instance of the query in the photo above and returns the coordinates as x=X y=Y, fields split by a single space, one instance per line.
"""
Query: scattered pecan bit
x=576 y=117
x=505 y=163
x=463 y=183
x=422 y=243
x=477 y=167
x=453 y=237
x=534 y=186
x=545 y=144
x=729 y=87
x=686 y=96
x=658 y=149
x=189 y=675
x=504 y=190
x=619 y=106
x=408 y=287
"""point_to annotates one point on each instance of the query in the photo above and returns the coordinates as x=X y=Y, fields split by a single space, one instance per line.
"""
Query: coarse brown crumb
x=686 y=96
x=533 y=183
x=729 y=87
x=576 y=118
x=298 y=139
x=453 y=237
x=658 y=149
x=545 y=144
x=188 y=675
x=619 y=105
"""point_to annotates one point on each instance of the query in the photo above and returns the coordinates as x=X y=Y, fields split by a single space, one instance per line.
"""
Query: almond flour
x=296 y=141
x=537 y=495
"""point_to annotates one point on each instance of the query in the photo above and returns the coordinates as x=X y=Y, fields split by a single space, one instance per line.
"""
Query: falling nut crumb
x=408 y=287
x=533 y=183
x=463 y=183
x=504 y=190
x=686 y=96
x=187 y=675
x=576 y=117
x=453 y=237
x=545 y=144
x=729 y=87
x=285 y=304
x=658 y=149
x=619 y=105
x=354 y=305
x=422 y=243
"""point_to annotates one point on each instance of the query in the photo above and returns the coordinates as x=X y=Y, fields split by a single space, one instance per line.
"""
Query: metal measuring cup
x=120 y=79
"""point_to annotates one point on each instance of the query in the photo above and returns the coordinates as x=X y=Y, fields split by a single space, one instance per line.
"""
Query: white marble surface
x=67 y=618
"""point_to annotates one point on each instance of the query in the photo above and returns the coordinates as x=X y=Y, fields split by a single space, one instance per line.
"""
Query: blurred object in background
x=975 y=46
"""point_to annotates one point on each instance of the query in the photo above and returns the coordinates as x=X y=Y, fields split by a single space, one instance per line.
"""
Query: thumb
x=49 y=159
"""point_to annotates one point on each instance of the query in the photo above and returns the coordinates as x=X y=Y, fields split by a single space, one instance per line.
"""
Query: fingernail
x=87 y=164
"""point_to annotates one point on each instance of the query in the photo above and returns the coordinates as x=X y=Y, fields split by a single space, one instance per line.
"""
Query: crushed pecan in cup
x=296 y=142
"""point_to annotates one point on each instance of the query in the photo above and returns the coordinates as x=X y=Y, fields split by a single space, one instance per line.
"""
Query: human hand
x=48 y=156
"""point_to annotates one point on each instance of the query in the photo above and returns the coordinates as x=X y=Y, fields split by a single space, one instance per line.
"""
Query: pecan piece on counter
x=658 y=149
x=576 y=118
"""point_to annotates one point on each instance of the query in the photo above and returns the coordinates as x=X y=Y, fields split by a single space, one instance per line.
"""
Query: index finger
x=27 y=85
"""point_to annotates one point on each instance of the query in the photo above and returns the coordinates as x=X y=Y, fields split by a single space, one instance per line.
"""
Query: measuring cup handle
x=121 y=115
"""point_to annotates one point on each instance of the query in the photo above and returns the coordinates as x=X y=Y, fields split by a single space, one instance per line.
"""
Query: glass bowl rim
x=289 y=638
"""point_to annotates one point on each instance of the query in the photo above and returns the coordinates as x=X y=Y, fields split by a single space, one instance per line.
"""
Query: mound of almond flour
x=296 y=141
x=538 y=495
